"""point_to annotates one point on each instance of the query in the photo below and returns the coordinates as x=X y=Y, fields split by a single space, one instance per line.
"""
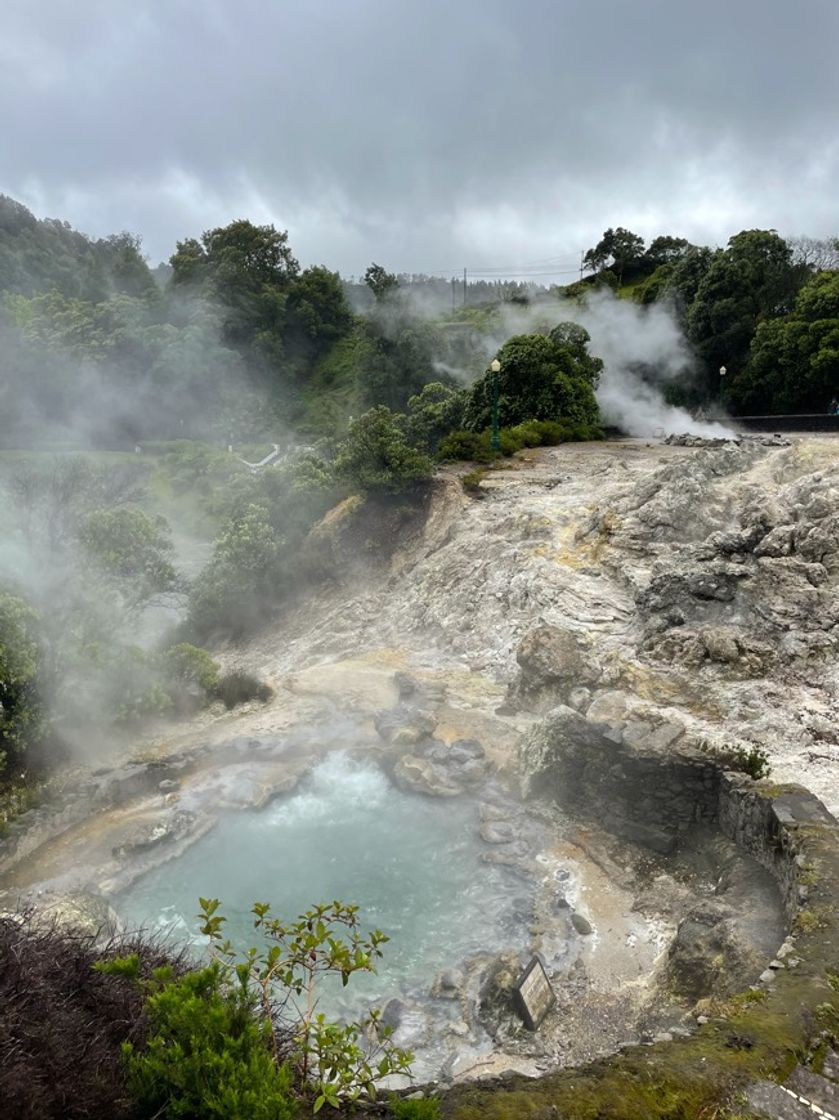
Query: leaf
x=319 y=1103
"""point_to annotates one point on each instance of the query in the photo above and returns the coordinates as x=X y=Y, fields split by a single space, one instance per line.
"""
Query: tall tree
x=618 y=249
x=380 y=282
x=752 y=281
x=248 y=270
x=793 y=365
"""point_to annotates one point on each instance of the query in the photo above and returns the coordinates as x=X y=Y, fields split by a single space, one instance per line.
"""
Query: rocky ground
x=679 y=588
x=676 y=594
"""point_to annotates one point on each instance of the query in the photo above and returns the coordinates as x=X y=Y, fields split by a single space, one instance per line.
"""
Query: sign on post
x=533 y=995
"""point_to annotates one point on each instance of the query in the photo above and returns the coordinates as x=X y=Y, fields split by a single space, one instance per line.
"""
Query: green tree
x=793 y=364
x=248 y=270
x=376 y=456
x=380 y=282
x=318 y=313
x=21 y=720
x=238 y=585
x=131 y=549
x=753 y=280
x=666 y=250
x=618 y=249
x=436 y=410
x=542 y=378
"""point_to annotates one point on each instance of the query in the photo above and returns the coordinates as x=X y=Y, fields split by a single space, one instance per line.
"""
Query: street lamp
x=495 y=369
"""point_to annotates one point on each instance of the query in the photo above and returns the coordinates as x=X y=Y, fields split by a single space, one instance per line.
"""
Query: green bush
x=466 y=446
x=471 y=482
x=754 y=761
x=239 y=687
x=207 y=1054
x=242 y=1039
x=192 y=665
x=476 y=447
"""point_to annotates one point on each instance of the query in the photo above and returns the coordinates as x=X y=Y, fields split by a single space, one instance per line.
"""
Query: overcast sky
x=427 y=135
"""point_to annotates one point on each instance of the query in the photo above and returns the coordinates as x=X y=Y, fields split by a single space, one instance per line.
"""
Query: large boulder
x=709 y=957
x=552 y=663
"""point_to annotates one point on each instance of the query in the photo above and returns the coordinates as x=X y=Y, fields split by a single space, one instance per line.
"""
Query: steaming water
x=411 y=863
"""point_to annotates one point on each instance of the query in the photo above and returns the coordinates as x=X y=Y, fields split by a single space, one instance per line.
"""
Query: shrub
x=462 y=445
x=754 y=761
x=206 y=1052
x=192 y=665
x=332 y=1062
x=471 y=482
x=476 y=447
x=191 y=676
x=239 y=687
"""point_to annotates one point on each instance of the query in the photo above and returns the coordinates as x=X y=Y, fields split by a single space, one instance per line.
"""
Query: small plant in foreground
x=242 y=1038
x=333 y=1062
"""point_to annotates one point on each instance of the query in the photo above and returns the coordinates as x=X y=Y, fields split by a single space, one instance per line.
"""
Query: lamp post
x=495 y=368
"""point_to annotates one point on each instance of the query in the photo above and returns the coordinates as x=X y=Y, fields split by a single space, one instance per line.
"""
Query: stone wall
x=653 y=797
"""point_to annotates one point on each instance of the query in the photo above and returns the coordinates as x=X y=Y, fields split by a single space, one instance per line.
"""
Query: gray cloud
x=422 y=133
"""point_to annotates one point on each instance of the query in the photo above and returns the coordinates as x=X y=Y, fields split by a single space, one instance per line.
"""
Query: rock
x=664 y=735
x=421 y=776
x=496 y=1007
x=582 y=925
x=447 y=984
x=579 y=698
x=767 y=976
x=406 y=685
x=466 y=750
x=392 y=1013
x=169 y=785
x=830 y=1066
x=708 y=956
x=169 y=828
x=402 y=726
x=552 y=661
x=778 y=542
x=720 y=643
x=489 y=812
x=497 y=832
x=81 y=911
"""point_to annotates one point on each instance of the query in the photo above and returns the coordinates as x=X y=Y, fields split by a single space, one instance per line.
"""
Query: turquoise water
x=411 y=863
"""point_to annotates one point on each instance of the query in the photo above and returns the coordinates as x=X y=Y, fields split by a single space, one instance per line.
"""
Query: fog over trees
x=359 y=386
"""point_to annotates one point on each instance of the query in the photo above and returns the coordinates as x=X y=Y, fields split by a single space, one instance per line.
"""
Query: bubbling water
x=411 y=863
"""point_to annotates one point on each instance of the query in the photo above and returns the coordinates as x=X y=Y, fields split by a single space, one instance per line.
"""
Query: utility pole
x=454 y=289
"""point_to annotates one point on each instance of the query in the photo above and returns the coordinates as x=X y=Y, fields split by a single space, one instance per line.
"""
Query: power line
x=514 y=269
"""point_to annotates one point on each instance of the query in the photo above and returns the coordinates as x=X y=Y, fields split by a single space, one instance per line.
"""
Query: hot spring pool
x=412 y=864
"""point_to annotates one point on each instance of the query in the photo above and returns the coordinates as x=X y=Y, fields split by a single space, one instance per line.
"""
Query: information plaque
x=533 y=995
